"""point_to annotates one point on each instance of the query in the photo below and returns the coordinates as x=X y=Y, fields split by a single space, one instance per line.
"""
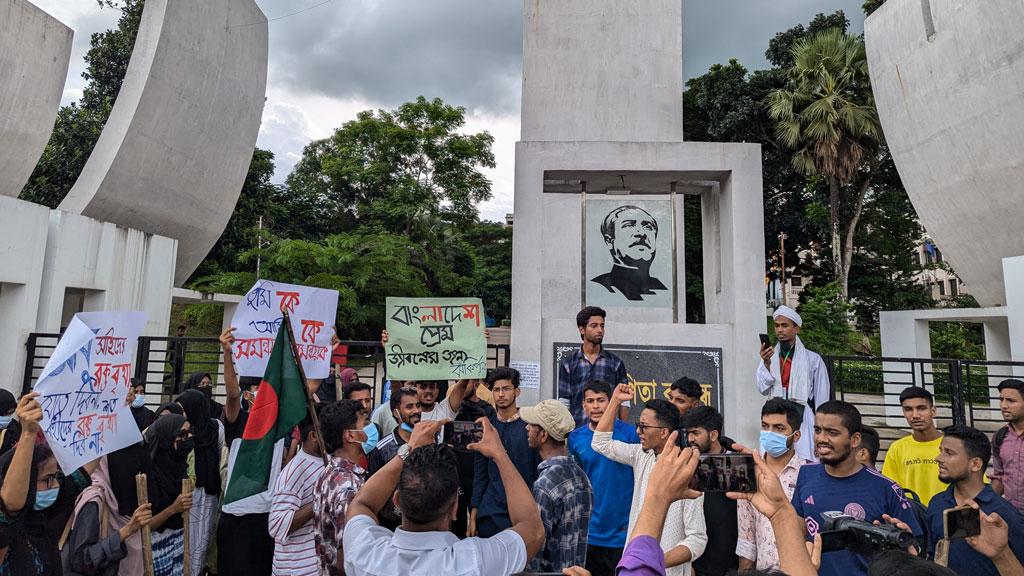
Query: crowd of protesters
x=568 y=485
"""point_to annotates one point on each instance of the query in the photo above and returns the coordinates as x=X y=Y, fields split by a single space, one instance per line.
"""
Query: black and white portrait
x=629 y=252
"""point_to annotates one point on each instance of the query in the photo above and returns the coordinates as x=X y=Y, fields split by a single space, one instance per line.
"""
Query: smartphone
x=725 y=473
x=466 y=433
x=961 y=522
x=765 y=341
x=683 y=438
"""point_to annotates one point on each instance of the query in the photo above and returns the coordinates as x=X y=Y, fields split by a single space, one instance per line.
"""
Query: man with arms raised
x=910 y=460
x=426 y=476
x=685 y=534
x=780 y=430
x=795 y=373
x=842 y=484
x=612 y=482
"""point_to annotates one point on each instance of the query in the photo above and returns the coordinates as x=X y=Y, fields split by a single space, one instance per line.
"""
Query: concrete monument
x=34 y=52
x=602 y=158
x=175 y=151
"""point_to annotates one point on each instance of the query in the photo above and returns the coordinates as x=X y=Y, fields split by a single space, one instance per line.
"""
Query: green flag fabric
x=280 y=405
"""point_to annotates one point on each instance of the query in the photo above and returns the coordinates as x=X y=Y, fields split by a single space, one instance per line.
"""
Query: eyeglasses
x=48 y=481
x=184 y=435
x=641 y=427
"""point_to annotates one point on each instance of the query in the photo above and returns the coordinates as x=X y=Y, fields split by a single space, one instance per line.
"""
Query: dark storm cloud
x=469 y=52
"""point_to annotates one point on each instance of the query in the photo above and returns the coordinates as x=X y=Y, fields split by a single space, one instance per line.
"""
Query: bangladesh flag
x=280 y=406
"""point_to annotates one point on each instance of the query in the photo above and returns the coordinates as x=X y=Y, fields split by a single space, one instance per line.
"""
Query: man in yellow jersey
x=910 y=461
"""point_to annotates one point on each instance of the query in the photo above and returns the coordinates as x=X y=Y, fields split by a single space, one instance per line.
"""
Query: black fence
x=164 y=363
x=965 y=390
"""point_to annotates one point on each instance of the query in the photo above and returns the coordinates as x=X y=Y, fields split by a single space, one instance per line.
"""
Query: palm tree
x=826 y=115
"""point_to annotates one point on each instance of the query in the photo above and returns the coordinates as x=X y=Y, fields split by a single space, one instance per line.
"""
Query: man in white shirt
x=291 y=510
x=685 y=533
x=427 y=477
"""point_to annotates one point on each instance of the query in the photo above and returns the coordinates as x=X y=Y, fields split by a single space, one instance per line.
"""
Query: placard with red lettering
x=84 y=388
x=259 y=316
x=435 y=338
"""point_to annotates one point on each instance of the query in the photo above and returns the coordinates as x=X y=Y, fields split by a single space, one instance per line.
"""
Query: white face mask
x=139 y=402
x=5 y=421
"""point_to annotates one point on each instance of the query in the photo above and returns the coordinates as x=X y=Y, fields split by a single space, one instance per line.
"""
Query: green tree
x=825 y=320
x=826 y=116
x=870 y=6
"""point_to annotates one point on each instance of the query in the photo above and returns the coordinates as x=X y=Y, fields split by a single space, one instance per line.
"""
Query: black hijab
x=122 y=466
x=168 y=466
x=27 y=532
x=204 y=430
x=171 y=407
x=193 y=383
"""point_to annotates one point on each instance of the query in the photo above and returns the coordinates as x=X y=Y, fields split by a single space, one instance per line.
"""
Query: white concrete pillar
x=903 y=336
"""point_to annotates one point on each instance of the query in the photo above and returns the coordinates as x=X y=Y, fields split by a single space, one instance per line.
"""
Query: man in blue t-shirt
x=963 y=456
x=612 y=482
x=839 y=483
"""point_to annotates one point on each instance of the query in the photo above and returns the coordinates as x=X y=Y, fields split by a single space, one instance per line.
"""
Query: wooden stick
x=186 y=488
x=310 y=405
x=147 y=543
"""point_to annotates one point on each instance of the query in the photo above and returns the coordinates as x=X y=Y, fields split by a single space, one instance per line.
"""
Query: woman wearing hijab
x=33 y=493
x=10 y=430
x=203 y=382
x=168 y=441
x=209 y=442
x=137 y=400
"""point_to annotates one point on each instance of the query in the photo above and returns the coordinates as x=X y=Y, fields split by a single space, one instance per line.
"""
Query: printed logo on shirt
x=809 y=500
x=855 y=510
x=812 y=526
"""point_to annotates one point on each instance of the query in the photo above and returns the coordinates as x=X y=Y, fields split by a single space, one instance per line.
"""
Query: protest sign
x=84 y=387
x=435 y=338
x=259 y=316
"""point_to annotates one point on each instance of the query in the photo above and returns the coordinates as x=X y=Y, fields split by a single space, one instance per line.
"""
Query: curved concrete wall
x=174 y=154
x=948 y=78
x=35 y=50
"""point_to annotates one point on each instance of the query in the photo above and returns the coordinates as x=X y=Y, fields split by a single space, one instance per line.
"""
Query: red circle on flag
x=263 y=414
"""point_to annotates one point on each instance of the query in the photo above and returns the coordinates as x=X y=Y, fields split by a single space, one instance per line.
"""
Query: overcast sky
x=330 y=62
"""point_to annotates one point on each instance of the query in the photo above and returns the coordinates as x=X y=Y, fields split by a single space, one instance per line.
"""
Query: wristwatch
x=403 y=451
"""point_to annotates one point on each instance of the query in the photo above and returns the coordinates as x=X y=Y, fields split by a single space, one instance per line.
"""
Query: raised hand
x=490 y=443
x=425 y=433
x=770 y=497
x=227 y=338
x=623 y=393
x=673 y=470
x=995 y=534
x=29 y=414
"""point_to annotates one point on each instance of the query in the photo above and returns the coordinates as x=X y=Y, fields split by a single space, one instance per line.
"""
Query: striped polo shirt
x=295 y=553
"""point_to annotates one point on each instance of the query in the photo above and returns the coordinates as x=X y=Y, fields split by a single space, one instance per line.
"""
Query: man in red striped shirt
x=291 y=512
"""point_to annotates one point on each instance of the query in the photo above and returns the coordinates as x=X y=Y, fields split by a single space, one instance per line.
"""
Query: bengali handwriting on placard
x=435 y=338
x=260 y=316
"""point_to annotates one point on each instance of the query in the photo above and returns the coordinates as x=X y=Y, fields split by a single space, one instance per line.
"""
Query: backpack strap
x=999 y=437
x=104 y=527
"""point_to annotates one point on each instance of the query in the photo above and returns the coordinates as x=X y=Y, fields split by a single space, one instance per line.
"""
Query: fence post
x=956 y=392
x=30 y=360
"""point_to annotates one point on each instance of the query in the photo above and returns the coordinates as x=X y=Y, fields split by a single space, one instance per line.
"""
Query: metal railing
x=165 y=363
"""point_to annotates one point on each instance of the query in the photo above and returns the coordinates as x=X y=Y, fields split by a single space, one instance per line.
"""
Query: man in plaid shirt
x=562 y=489
x=589 y=363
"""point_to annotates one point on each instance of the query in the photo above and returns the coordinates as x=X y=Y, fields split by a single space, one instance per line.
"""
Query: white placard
x=529 y=373
x=84 y=387
x=259 y=316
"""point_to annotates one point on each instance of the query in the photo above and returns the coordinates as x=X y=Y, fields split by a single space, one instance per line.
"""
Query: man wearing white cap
x=793 y=372
x=562 y=489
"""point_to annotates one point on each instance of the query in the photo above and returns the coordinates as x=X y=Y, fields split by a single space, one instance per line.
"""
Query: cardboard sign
x=84 y=387
x=435 y=339
x=259 y=316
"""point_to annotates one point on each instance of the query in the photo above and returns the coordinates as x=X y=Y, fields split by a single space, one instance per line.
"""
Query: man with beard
x=489 y=513
x=795 y=373
x=910 y=461
x=631 y=235
x=685 y=534
x=612 y=482
x=588 y=364
x=842 y=484
x=406 y=408
x=962 y=459
x=780 y=429
x=703 y=426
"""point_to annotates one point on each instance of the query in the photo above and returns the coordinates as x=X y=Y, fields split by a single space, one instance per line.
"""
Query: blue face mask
x=139 y=402
x=406 y=427
x=372 y=437
x=774 y=443
x=5 y=421
x=46 y=498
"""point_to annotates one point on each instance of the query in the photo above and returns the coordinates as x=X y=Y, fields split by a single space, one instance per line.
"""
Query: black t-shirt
x=719 y=555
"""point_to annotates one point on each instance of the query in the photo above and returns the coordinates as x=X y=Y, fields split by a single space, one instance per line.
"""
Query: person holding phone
x=562 y=490
x=791 y=371
x=963 y=456
x=685 y=533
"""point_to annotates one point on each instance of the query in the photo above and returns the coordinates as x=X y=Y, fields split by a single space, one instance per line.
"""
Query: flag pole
x=310 y=405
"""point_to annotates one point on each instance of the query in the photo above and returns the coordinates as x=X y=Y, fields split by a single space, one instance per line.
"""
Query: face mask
x=46 y=498
x=406 y=427
x=139 y=402
x=207 y=390
x=372 y=437
x=5 y=421
x=773 y=443
x=184 y=448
